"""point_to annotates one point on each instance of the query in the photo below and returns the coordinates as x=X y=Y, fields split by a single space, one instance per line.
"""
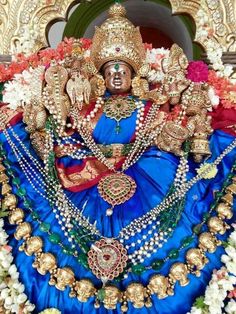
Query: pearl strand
x=33 y=177
x=77 y=124
x=185 y=100
x=51 y=186
x=136 y=225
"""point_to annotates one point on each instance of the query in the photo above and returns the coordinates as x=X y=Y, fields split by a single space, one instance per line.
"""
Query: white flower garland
x=213 y=48
x=223 y=281
x=221 y=286
x=18 y=92
x=11 y=290
x=155 y=58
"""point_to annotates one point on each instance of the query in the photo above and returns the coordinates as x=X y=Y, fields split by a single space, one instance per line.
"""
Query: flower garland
x=17 y=91
x=222 y=287
x=155 y=58
x=224 y=89
x=12 y=296
x=43 y=57
x=214 y=50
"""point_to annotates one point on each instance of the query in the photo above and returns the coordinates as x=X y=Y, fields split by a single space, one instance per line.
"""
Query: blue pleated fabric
x=153 y=174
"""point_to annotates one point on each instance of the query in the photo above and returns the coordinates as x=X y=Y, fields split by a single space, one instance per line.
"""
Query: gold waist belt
x=109 y=151
x=115 y=150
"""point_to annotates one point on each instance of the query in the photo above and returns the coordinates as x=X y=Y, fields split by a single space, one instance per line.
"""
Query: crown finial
x=117 y=10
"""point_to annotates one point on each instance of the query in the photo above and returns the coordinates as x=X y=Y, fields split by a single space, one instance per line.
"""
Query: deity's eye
x=123 y=72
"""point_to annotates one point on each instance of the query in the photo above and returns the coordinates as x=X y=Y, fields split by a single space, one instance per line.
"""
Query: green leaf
x=101 y=294
x=4 y=212
x=199 y=303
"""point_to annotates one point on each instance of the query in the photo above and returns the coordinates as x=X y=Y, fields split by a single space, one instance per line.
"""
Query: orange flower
x=224 y=88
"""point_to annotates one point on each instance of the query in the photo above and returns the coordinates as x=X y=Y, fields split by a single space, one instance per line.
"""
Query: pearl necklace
x=125 y=232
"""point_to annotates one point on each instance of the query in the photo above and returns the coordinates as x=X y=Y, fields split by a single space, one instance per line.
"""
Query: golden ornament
x=207 y=171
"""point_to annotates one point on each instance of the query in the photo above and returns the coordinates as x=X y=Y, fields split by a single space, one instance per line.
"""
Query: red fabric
x=224 y=119
x=13 y=117
x=78 y=185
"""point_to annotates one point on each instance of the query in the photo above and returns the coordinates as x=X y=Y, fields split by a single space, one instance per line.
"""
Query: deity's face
x=117 y=77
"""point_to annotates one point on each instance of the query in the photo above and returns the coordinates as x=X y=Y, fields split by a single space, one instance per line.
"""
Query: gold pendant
x=207 y=171
x=119 y=108
x=107 y=259
x=116 y=189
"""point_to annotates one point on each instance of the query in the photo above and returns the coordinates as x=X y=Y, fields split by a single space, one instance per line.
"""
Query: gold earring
x=98 y=85
x=140 y=87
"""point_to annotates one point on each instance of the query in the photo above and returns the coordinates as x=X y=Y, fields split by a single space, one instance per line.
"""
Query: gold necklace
x=119 y=108
x=118 y=187
x=84 y=289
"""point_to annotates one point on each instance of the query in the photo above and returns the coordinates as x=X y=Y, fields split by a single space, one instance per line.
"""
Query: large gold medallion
x=107 y=259
x=116 y=189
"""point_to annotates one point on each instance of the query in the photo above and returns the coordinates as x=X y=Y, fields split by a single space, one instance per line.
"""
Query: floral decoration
x=214 y=50
x=12 y=296
x=224 y=89
x=197 y=71
x=222 y=287
x=19 y=73
x=50 y=311
x=155 y=58
x=18 y=92
x=43 y=57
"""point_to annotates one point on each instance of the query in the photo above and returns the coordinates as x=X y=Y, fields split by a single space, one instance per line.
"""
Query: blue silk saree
x=153 y=173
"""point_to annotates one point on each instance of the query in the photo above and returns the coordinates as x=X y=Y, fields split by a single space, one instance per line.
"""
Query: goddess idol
x=118 y=191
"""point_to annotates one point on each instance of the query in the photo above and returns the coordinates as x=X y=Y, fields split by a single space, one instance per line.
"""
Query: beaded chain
x=136 y=257
x=191 y=266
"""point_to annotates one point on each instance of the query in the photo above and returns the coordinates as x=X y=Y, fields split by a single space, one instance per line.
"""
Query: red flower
x=147 y=46
x=232 y=294
x=86 y=43
x=197 y=71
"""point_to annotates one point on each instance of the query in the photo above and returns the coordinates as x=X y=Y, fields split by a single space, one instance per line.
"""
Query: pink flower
x=8 y=248
x=197 y=71
x=232 y=294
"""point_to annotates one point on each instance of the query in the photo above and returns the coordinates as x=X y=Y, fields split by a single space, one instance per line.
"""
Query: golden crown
x=118 y=39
